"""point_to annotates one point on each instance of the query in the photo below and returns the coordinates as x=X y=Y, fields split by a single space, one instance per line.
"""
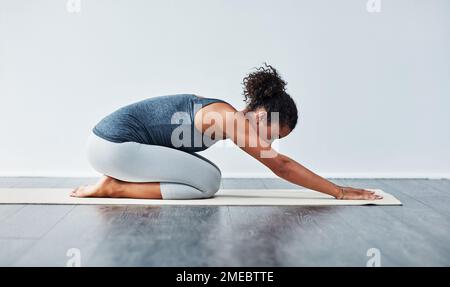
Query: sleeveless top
x=163 y=120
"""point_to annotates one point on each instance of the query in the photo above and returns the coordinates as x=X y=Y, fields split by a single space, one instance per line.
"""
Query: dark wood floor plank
x=405 y=233
x=432 y=187
x=11 y=249
x=415 y=188
x=84 y=228
x=295 y=236
x=441 y=184
x=32 y=221
x=166 y=236
x=10 y=181
x=425 y=193
x=38 y=182
x=78 y=181
x=7 y=210
x=244 y=183
x=276 y=183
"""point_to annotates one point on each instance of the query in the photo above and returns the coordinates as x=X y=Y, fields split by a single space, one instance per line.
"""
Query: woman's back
x=153 y=121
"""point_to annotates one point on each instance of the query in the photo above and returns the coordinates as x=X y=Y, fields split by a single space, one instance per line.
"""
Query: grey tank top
x=164 y=120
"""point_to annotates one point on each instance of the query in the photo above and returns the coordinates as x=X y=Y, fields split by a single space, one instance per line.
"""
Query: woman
x=148 y=149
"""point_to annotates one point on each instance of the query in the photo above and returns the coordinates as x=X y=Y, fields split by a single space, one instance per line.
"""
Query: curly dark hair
x=265 y=88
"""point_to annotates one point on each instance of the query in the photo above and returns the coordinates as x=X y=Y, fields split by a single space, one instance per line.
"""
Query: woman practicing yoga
x=148 y=149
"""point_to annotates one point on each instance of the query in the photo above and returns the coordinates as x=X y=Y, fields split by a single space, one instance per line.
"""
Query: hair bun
x=262 y=84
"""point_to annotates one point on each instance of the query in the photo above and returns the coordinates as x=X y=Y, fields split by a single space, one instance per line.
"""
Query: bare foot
x=105 y=187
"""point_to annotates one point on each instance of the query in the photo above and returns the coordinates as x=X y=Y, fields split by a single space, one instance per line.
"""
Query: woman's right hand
x=347 y=193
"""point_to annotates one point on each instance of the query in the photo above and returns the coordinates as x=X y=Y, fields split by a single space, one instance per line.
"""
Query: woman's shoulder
x=208 y=100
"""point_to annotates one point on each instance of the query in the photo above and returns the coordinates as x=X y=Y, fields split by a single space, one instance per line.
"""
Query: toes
x=85 y=191
x=78 y=192
x=74 y=192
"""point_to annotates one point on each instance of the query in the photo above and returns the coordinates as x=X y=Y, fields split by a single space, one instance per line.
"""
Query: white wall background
x=373 y=88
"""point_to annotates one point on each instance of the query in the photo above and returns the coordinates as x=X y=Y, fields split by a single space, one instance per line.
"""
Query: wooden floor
x=415 y=234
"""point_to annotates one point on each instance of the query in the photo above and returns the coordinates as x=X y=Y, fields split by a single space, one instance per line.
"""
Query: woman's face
x=268 y=130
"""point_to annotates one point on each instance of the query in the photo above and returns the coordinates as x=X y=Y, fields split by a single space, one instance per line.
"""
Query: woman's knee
x=213 y=187
x=171 y=190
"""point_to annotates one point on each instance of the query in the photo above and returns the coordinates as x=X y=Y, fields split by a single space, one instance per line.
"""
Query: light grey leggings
x=182 y=175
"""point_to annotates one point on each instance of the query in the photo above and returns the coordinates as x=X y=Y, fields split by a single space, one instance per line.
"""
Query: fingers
x=370 y=195
x=362 y=194
x=373 y=196
x=366 y=191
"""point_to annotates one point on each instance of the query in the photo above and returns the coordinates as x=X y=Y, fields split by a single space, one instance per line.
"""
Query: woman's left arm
x=296 y=173
x=246 y=138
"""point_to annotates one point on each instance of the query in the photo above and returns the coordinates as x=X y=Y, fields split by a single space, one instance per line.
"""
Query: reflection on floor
x=415 y=234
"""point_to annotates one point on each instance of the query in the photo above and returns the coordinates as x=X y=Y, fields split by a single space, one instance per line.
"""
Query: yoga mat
x=244 y=197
